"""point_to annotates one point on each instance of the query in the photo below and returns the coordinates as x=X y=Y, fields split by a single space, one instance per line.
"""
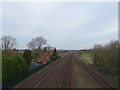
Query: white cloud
x=61 y=23
x=103 y=32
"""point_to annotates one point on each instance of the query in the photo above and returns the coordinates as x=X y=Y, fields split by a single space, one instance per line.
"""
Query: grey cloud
x=64 y=25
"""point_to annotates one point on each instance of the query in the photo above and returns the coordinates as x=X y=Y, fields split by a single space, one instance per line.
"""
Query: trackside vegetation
x=12 y=67
x=9 y=82
x=54 y=56
x=27 y=56
x=88 y=56
x=16 y=63
x=106 y=57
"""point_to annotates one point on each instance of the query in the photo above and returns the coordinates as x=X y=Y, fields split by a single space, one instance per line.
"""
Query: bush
x=55 y=52
x=53 y=57
x=12 y=67
x=40 y=62
x=27 y=56
x=106 y=57
x=35 y=55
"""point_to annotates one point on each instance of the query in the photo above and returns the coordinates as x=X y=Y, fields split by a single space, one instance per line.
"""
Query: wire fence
x=13 y=82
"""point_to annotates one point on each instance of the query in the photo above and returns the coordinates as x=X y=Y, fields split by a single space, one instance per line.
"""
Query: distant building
x=18 y=52
x=44 y=57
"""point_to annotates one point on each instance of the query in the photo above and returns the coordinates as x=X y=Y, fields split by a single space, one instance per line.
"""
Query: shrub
x=12 y=67
x=40 y=62
x=27 y=56
x=106 y=57
x=55 y=52
x=45 y=49
x=53 y=57
x=35 y=55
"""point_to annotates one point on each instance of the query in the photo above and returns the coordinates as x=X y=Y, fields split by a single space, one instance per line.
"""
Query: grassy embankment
x=88 y=56
x=60 y=54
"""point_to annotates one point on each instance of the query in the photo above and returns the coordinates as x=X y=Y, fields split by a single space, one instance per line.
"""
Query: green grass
x=82 y=78
x=85 y=55
x=88 y=57
x=60 y=54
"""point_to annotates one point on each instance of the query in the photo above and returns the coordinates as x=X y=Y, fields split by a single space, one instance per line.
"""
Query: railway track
x=62 y=68
x=64 y=83
x=41 y=79
x=45 y=80
x=65 y=78
x=34 y=80
x=95 y=76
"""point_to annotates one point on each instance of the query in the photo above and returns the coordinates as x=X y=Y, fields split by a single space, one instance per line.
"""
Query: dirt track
x=66 y=72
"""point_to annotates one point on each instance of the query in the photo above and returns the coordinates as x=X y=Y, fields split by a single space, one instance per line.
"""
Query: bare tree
x=37 y=43
x=8 y=42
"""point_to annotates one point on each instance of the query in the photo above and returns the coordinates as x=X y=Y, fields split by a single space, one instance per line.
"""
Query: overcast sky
x=64 y=25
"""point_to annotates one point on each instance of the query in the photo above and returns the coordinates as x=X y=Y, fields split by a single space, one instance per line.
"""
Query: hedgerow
x=12 y=67
x=106 y=57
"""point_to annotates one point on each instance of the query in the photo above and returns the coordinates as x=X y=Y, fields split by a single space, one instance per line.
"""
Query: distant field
x=60 y=54
x=88 y=57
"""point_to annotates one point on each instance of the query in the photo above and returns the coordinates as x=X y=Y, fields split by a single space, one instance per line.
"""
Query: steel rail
x=95 y=76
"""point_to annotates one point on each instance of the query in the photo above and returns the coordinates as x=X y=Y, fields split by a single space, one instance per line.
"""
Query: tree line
x=9 y=42
x=14 y=65
x=106 y=57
